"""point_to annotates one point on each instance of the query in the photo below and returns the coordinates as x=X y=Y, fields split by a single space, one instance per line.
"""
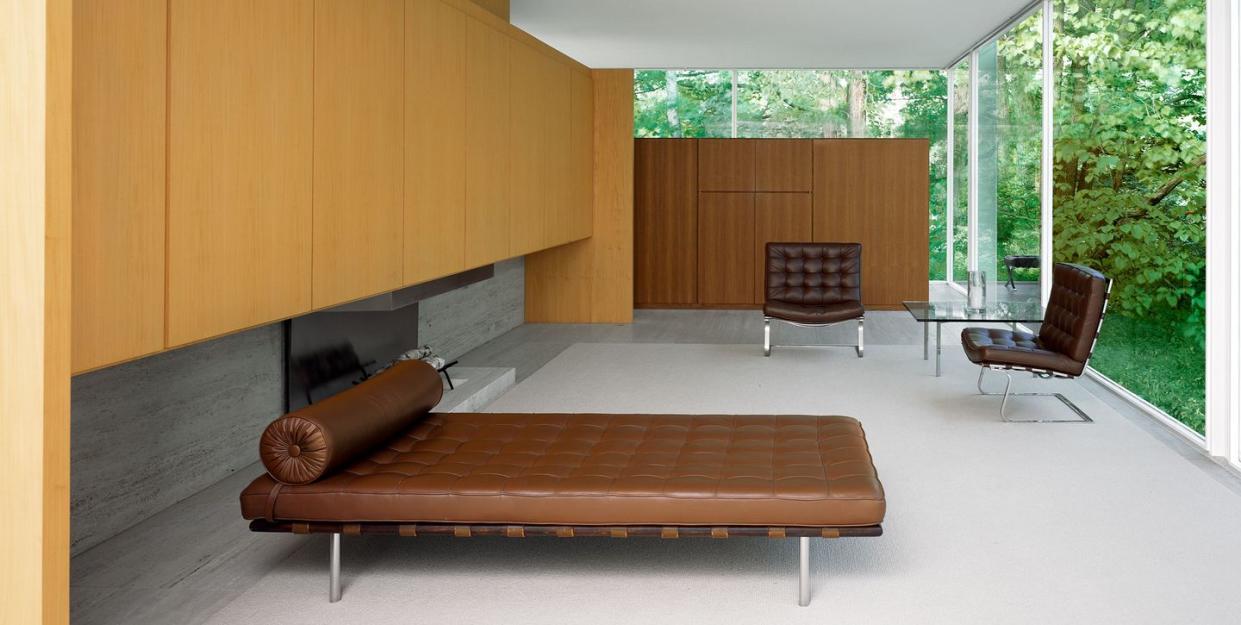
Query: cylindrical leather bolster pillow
x=307 y=444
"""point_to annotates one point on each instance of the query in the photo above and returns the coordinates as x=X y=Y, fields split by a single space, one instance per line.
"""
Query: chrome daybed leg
x=861 y=344
x=766 y=336
x=334 y=570
x=803 y=580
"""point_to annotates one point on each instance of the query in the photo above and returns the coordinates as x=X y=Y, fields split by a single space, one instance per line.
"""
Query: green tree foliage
x=1130 y=151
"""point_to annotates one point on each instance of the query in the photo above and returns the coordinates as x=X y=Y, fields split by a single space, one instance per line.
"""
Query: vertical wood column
x=591 y=281
x=35 y=214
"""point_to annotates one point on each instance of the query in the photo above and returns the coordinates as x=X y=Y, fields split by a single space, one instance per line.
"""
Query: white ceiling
x=824 y=34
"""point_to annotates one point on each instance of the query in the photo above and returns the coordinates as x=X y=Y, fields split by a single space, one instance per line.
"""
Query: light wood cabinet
x=239 y=179
x=782 y=218
x=487 y=160
x=725 y=248
x=358 y=149
x=435 y=130
x=119 y=121
x=539 y=148
x=872 y=191
x=580 y=220
x=239 y=162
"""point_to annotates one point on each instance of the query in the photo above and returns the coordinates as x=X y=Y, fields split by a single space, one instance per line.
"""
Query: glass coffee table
x=943 y=312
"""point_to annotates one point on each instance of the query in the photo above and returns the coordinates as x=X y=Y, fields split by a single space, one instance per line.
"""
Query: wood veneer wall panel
x=726 y=164
x=239 y=179
x=783 y=165
x=435 y=140
x=875 y=191
x=725 y=248
x=359 y=149
x=778 y=217
x=488 y=126
x=119 y=122
x=612 y=291
x=591 y=281
x=665 y=221
x=36 y=147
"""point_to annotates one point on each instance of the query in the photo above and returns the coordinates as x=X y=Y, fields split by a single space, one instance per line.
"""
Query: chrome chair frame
x=861 y=327
x=1045 y=375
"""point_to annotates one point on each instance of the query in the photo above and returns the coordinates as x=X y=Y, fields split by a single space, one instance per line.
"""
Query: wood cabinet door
x=875 y=192
x=665 y=205
x=358 y=149
x=780 y=218
x=435 y=36
x=725 y=248
x=539 y=148
x=581 y=208
x=783 y=165
x=487 y=192
x=239 y=179
x=119 y=122
x=726 y=164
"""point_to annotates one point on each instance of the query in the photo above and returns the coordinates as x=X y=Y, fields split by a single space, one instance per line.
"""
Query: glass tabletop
x=1007 y=312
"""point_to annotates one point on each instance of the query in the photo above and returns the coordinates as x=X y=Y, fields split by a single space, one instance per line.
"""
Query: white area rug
x=988 y=523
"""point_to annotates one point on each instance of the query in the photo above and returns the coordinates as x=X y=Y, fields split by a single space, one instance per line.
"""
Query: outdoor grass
x=1156 y=361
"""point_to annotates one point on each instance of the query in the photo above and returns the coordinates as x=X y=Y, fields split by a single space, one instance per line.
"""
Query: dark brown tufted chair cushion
x=814 y=282
x=1077 y=297
x=1074 y=312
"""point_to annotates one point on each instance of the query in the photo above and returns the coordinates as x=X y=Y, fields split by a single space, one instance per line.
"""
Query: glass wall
x=1008 y=213
x=684 y=103
x=1019 y=115
x=961 y=171
x=1130 y=194
x=805 y=104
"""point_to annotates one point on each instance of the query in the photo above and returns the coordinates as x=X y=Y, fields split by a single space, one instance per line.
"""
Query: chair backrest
x=814 y=273
x=1074 y=311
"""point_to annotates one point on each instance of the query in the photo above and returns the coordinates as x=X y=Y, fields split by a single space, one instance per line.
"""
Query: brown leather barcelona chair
x=813 y=285
x=1064 y=342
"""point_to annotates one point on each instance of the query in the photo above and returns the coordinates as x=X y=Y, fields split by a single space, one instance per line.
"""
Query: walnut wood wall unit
x=726 y=164
x=752 y=191
x=782 y=165
x=725 y=248
x=874 y=191
x=665 y=208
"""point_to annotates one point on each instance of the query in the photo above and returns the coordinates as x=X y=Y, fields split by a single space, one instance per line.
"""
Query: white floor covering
x=988 y=522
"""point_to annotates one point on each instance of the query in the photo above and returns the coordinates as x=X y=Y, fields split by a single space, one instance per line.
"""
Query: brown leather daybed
x=376 y=460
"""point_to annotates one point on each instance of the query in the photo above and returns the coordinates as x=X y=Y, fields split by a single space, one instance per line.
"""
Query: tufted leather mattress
x=595 y=469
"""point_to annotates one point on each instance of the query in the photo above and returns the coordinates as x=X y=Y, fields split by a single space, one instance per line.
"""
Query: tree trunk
x=857 y=104
x=1172 y=184
x=670 y=92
